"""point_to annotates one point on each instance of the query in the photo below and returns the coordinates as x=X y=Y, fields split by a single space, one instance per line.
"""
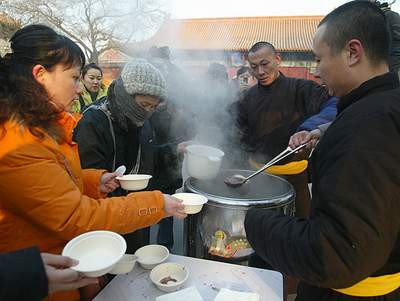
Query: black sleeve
x=310 y=97
x=354 y=222
x=22 y=276
x=91 y=135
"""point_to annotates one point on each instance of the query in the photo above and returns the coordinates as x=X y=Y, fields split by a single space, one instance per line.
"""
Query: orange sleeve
x=91 y=182
x=34 y=185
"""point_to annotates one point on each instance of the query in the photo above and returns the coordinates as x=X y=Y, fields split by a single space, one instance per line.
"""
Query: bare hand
x=108 y=182
x=181 y=148
x=60 y=277
x=173 y=207
x=305 y=137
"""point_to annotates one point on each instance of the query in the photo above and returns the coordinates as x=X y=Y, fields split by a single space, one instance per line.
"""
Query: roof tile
x=237 y=34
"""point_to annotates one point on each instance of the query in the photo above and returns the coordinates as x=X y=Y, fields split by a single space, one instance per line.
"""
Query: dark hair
x=260 y=45
x=242 y=70
x=87 y=67
x=361 y=20
x=21 y=96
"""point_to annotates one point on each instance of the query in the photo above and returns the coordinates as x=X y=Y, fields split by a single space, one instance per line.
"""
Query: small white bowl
x=193 y=202
x=151 y=255
x=97 y=252
x=134 y=182
x=170 y=269
x=125 y=265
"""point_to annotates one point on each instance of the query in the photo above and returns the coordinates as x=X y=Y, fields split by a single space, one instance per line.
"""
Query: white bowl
x=97 y=252
x=193 y=202
x=151 y=255
x=170 y=269
x=125 y=265
x=203 y=162
x=134 y=182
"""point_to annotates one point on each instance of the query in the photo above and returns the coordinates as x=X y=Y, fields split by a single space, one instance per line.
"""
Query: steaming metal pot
x=217 y=232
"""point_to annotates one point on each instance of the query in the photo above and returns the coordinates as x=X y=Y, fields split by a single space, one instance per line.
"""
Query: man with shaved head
x=274 y=109
x=349 y=247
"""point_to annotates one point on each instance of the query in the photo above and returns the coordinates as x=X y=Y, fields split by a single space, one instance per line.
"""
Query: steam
x=200 y=91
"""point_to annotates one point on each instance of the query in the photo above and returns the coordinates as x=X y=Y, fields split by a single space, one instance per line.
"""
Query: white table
x=208 y=276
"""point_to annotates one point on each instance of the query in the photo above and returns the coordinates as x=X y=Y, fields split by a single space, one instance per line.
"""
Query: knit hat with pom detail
x=141 y=77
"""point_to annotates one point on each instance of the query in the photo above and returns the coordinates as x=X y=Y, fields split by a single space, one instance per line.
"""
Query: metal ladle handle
x=287 y=152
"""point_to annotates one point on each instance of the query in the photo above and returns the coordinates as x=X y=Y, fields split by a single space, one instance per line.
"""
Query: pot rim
x=221 y=201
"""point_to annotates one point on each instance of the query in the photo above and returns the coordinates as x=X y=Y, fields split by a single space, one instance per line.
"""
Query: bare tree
x=7 y=26
x=96 y=25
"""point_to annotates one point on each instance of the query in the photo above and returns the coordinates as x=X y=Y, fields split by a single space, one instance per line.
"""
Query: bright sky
x=184 y=9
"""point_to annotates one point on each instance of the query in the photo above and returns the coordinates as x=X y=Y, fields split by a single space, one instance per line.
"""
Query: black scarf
x=124 y=107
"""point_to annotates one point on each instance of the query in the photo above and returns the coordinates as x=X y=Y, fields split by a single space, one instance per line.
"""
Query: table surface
x=207 y=276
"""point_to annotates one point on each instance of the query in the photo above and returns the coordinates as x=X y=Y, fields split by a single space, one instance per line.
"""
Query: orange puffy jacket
x=46 y=199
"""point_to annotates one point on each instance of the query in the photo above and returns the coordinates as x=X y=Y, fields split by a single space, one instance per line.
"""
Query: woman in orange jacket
x=46 y=198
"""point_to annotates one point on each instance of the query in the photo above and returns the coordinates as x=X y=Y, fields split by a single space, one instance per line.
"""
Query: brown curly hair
x=21 y=97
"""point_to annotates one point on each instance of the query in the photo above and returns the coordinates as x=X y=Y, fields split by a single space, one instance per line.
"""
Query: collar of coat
x=274 y=83
x=68 y=122
x=387 y=81
x=87 y=98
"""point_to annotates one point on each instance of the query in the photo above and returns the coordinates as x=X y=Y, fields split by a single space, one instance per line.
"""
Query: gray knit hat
x=141 y=77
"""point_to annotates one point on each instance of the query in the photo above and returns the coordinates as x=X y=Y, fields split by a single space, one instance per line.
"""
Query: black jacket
x=353 y=229
x=96 y=145
x=22 y=276
x=269 y=115
x=168 y=129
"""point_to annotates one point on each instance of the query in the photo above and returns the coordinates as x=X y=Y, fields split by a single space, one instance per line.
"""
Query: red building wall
x=299 y=72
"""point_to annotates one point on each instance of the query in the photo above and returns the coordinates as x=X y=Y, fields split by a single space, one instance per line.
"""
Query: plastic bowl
x=161 y=273
x=125 y=265
x=97 y=252
x=134 y=182
x=203 y=162
x=151 y=255
x=193 y=202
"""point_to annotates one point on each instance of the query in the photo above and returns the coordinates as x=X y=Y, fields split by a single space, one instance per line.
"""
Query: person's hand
x=60 y=277
x=108 y=182
x=173 y=207
x=181 y=148
x=305 y=137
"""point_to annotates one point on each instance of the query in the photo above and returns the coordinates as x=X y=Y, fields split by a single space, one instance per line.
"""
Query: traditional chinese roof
x=287 y=34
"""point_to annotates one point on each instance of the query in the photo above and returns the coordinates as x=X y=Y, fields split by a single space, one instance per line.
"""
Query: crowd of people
x=63 y=134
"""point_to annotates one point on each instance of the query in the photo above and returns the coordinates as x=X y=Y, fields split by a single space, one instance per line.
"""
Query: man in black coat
x=271 y=111
x=349 y=247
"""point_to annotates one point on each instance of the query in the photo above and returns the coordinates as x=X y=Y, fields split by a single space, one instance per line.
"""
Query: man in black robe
x=271 y=111
x=349 y=247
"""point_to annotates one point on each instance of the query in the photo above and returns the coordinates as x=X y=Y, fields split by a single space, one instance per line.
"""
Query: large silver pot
x=217 y=232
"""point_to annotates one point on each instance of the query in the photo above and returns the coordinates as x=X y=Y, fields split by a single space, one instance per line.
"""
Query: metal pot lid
x=263 y=190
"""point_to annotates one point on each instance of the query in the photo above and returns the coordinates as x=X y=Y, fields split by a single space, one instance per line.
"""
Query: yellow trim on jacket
x=291 y=168
x=373 y=286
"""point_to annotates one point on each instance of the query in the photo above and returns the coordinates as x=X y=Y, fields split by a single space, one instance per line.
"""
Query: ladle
x=238 y=180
